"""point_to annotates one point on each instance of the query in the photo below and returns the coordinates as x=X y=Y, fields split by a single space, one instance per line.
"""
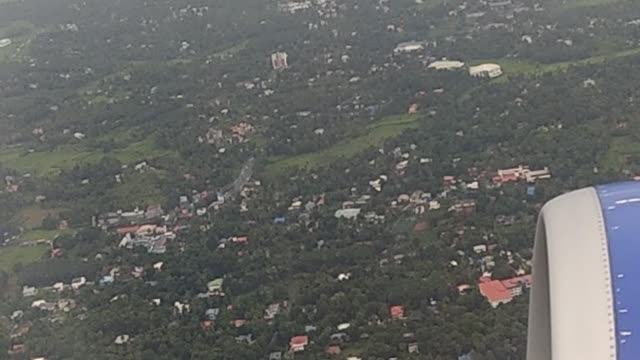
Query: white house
x=446 y=65
x=4 y=43
x=347 y=213
x=409 y=46
x=29 y=291
x=78 y=282
x=486 y=70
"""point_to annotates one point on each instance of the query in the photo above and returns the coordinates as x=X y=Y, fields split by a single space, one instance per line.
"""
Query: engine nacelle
x=585 y=299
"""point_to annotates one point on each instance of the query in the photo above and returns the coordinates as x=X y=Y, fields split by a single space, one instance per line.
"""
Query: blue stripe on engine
x=621 y=209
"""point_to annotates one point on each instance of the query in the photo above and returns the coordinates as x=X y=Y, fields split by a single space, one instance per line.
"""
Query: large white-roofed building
x=486 y=70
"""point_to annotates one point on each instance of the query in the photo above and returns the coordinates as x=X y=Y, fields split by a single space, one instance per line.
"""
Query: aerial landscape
x=296 y=179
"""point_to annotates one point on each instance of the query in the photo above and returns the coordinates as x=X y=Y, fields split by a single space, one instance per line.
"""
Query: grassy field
x=10 y=256
x=529 y=68
x=51 y=162
x=578 y=3
x=31 y=217
x=39 y=234
x=374 y=135
x=21 y=33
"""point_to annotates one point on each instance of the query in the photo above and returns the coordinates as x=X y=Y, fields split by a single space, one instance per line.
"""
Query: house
x=245 y=338
x=279 y=220
x=464 y=289
x=503 y=291
x=349 y=214
x=397 y=312
x=158 y=266
x=420 y=226
x=446 y=65
x=20 y=330
x=310 y=328
x=521 y=172
x=5 y=42
x=333 y=350
x=533 y=175
x=293 y=6
x=212 y=314
x=121 y=339
x=412 y=348
x=343 y=277
x=181 y=308
x=531 y=190
x=479 y=249
x=486 y=70
x=215 y=286
x=448 y=180
x=272 y=311
x=409 y=46
x=77 y=283
x=238 y=323
x=298 y=343
x=28 y=291
x=276 y=355
x=340 y=337
x=464 y=207
x=206 y=324
x=106 y=280
x=17 y=314
x=343 y=326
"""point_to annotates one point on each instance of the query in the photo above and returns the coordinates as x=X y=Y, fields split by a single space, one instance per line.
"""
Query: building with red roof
x=298 y=343
x=128 y=230
x=397 y=312
x=333 y=350
x=503 y=291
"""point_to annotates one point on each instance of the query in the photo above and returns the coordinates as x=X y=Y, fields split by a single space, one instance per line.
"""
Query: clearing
x=39 y=234
x=47 y=163
x=31 y=217
x=531 y=68
x=579 y=3
x=374 y=135
x=12 y=255
x=21 y=34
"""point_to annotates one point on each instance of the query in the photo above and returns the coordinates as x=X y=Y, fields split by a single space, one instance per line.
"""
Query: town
x=321 y=179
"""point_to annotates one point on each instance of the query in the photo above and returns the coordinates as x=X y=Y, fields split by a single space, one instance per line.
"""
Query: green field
x=31 y=217
x=530 y=68
x=374 y=135
x=51 y=162
x=10 y=256
x=35 y=235
x=21 y=33
x=579 y=3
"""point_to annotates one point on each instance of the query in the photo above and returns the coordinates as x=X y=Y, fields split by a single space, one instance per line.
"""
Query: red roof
x=127 y=230
x=495 y=291
x=517 y=281
x=397 y=311
x=299 y=340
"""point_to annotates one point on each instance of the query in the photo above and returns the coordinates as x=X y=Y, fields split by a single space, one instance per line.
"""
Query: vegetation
x=374 y=135
x=14 y=255
x=123 y=106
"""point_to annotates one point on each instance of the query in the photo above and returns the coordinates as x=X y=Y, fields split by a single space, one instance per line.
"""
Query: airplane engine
x=585 y=298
